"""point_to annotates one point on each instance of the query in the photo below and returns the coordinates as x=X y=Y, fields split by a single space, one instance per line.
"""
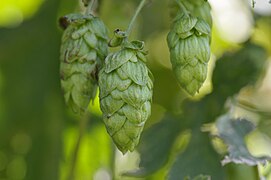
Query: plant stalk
x=90 y=7
x=139 y=8
x=82 y=129
x=253 y=3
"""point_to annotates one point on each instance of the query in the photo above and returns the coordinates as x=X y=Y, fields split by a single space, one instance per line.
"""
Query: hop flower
x=198 y=8
x=125 y=94
x=189 y=47
x=83 y=48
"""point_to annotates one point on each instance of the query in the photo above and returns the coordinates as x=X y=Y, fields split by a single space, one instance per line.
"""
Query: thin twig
x=113 y=161
x=90 y=7
x=253 y=2
x=82 y=129
x=140 y=6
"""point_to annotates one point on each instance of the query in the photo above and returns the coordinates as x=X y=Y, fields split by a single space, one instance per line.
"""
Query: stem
x=82 y=128
x=90 y=7
x=257 y=170
x=112 y=162
x=180 y=4
x=253 y=3
x=140 y=6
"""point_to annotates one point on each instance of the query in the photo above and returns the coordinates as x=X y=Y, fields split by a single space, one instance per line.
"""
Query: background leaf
x=204 y=159
x=233 y=132
x=155 y=146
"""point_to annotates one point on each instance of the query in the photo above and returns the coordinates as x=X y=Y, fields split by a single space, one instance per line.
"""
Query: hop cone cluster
x=83 y=48
x=125 y=94
x=188 y=42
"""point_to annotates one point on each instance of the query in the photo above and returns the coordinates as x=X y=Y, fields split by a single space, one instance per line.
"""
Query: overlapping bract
x=199 y=8
x=189 y=47
x=84 y=47
x=125 y=94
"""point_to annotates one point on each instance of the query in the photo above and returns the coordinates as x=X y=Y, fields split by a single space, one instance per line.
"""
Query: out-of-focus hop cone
x=83 y=49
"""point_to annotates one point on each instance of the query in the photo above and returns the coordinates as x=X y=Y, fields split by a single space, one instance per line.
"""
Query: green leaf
x=241 y=171
x=199 y=177
x=233 y=132
x=199 y=158
x=236 y=70
x=155 y=146
x=265 y=126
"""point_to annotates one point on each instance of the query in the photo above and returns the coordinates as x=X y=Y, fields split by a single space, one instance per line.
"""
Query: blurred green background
x=37 y=132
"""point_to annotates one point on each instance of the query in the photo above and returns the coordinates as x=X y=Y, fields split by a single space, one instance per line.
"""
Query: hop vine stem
x=82 y=128
x=139 y=8
x=83 y=121
x=90 y=7
x=253 y=3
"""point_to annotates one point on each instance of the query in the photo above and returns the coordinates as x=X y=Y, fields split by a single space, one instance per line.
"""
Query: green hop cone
x=189 y=45
x=199 y=8
x=83 y=49
x=125 y=94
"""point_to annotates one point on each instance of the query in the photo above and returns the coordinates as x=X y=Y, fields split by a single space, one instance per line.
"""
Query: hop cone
x=84 y=47
x=126 y=94
x=199 y=8
x=189 y=47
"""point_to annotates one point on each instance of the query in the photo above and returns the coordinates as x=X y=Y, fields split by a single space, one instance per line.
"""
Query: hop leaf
x=126 y=94
x=232 y=132
x=188 y=42
x=83 y=48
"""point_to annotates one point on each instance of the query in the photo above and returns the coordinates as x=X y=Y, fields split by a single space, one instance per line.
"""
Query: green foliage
x=251 y=58
x=195 y=114
x=199 y=177
x=31 y=97
x=95 y=142
x=200 y=154
x=233 y=132
x=168 y=128
x=38 y=136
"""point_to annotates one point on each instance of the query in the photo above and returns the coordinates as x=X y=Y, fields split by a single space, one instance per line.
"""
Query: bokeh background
x=38 y=133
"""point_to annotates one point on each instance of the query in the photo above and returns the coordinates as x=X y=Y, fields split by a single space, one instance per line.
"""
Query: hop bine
x=83 y=48
x=125 y=94
x=189 y=45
